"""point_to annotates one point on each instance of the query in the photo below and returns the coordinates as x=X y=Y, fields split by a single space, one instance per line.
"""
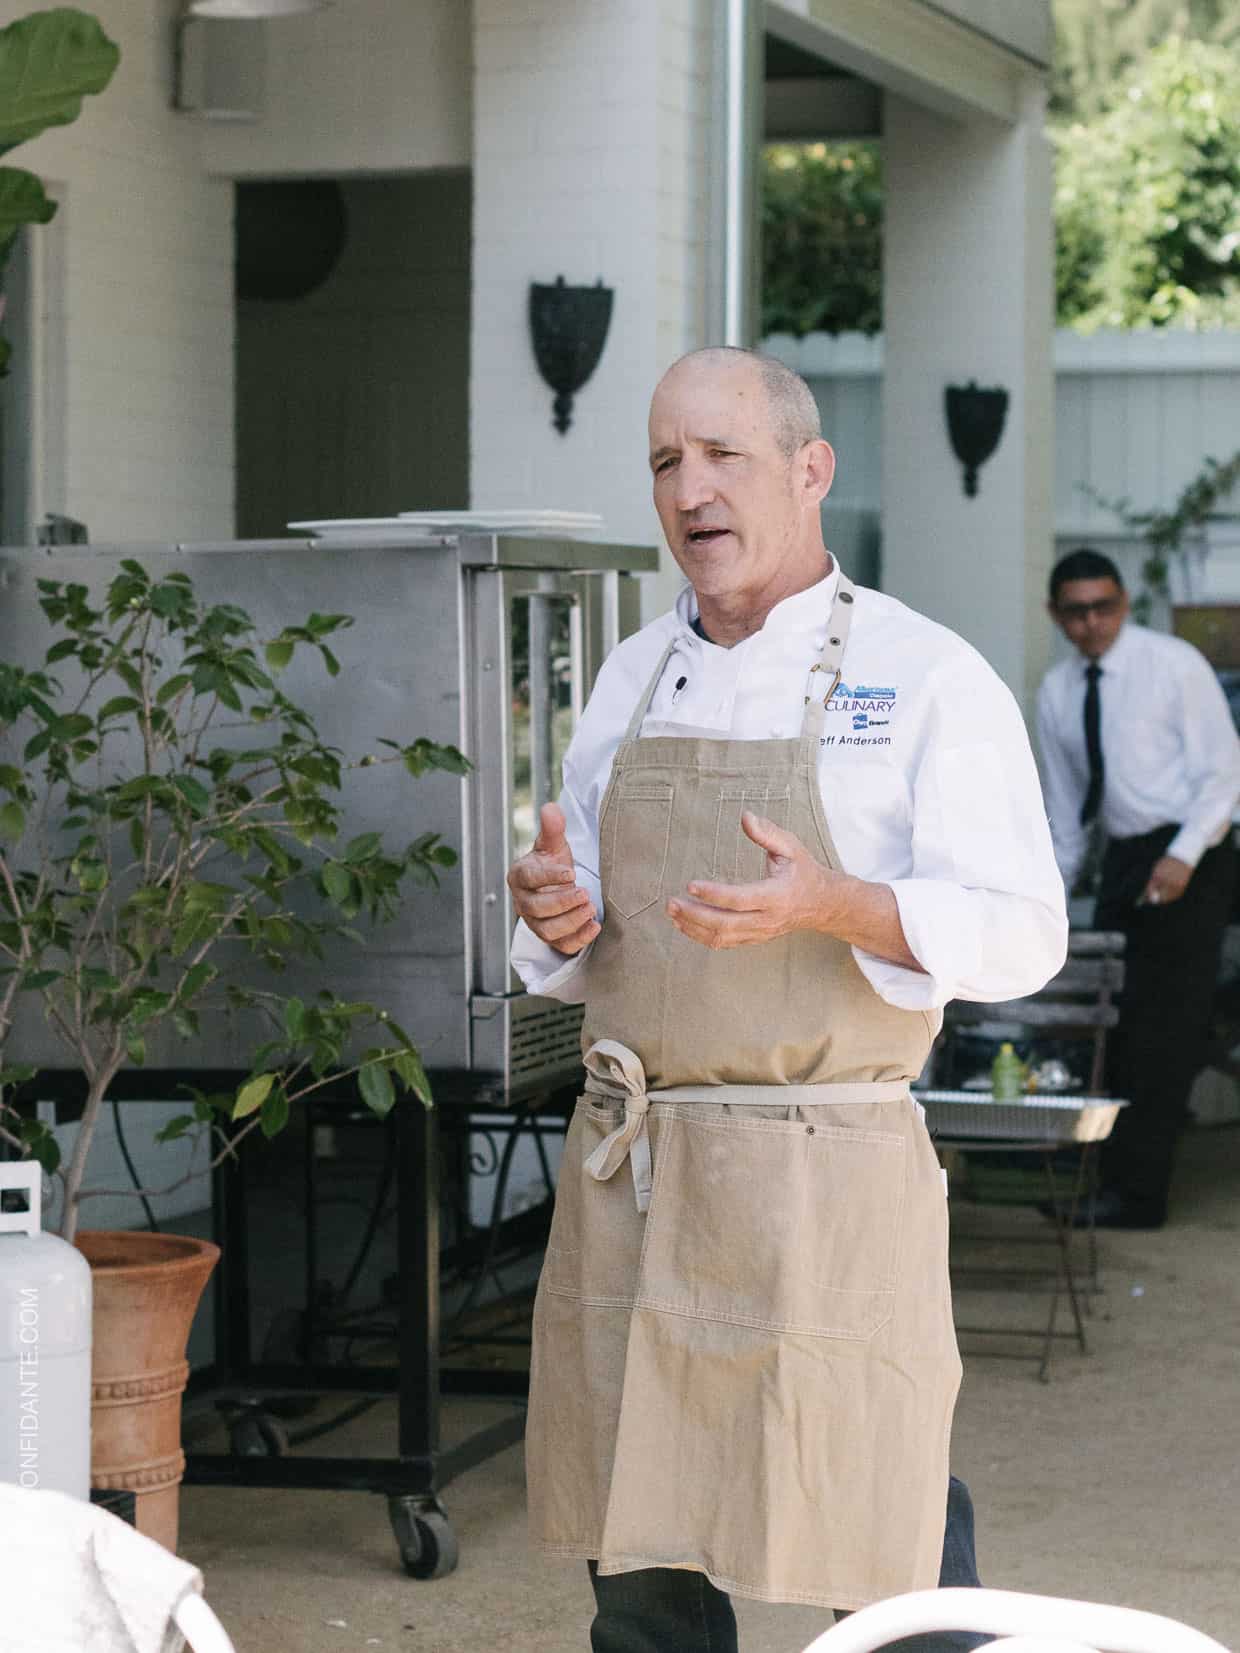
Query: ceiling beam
x=907 y=48
x=827 y=106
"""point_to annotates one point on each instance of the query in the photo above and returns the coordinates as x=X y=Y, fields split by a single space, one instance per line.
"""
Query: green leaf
x=295 y=1019
x=195 y=980
x=36 y=980
x=12 y=821
x=22 y=201
x=17 y=1073
x=176 y=1128
x=338 y=882
x=135 y=1044
x=408 y=1065
x=37 y=745
x=252 y=1095
x=375 y=1083
x=279 y=653
x=274 y=1115
x=363 y=846
x=194 y=793
x=40 y=1144
x=71 y=726
x=118 y=706
x=61 y=650
x=91 y=875
x=49 y=61
x=173 y=687
x=329 y=660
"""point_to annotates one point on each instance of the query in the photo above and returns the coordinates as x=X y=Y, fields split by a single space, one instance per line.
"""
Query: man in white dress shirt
x=1137 y=740
x=946 y=885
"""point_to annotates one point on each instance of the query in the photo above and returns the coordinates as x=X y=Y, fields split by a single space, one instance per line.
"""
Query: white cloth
x=73 y=1577
x=927 y=779
x=1169 y=748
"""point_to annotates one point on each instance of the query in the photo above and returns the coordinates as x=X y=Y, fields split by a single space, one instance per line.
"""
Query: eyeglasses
x=1075 y=612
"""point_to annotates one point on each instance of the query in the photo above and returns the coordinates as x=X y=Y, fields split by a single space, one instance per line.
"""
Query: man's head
x=1088 y=601
x=740 y=469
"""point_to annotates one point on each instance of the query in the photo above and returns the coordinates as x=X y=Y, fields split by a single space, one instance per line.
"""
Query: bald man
x=797 y=818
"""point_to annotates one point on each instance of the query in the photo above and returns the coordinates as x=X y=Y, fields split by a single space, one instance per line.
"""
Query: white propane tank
x=45 y=1301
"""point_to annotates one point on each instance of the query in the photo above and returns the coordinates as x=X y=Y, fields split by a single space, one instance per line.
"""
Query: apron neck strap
x=830 y=663
x=643 y=704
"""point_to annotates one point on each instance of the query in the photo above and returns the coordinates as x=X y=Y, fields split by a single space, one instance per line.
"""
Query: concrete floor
x=1118 y=1481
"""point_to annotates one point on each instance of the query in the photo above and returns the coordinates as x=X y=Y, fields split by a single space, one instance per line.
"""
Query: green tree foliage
x=1147 y=203
x=822 y=212
x=1098 y=42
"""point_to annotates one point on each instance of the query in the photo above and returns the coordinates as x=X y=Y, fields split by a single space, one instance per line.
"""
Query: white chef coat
x=1169 y=748
x=928 y=784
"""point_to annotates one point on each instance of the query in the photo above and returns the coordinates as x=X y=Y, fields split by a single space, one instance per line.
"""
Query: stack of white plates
x=360 y=530
x=419 y=524
x=520 y=521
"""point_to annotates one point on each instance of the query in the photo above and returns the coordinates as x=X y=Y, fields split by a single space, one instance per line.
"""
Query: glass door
x=537 y=642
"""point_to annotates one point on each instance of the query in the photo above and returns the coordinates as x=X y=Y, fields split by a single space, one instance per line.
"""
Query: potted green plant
x=49 y=61
x=169 y=841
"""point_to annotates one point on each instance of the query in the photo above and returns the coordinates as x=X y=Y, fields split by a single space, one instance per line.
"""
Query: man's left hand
x=1167 y=882
x=796 y=894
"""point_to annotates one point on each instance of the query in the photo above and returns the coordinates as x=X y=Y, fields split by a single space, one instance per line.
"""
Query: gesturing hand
x=796 y=894
x=545 y=891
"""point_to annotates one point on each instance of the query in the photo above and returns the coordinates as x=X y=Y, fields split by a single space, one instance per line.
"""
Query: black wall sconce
x=569 y=328
x=975 y=421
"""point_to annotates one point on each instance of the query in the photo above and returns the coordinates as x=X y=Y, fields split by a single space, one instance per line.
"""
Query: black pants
x=1170 y=971
x=671 y=1610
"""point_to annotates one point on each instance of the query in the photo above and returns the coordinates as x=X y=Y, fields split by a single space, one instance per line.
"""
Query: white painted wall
x=591 y=159
x=135 y=406
x=371 y=86
x=967 y=295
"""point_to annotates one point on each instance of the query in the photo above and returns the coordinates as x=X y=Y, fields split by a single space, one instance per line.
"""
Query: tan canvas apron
x=744 y=1360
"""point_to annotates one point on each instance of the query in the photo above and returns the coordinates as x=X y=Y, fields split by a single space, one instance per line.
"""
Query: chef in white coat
x=797 y=818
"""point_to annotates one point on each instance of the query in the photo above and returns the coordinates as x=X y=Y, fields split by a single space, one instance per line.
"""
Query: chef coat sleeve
x=982 y=907
x=1211 y=759
x=1062 y=787
x=541 y=967
x=587 y=769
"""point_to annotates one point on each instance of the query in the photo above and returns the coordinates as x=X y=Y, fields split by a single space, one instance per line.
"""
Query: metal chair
x=1020 y=1624
x=1078 y=1007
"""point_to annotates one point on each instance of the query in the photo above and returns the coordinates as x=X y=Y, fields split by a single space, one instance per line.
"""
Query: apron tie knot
x=616 y=1072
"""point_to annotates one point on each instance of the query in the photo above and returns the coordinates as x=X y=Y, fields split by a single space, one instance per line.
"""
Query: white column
x=968 y=295
x=592 y=157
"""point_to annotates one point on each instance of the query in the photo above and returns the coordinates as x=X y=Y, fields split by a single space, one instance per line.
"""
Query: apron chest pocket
x=738 y=860
x=781 y=1225
x=636 y=830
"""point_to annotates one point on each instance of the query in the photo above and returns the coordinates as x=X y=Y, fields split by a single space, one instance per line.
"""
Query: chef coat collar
x=805 y=611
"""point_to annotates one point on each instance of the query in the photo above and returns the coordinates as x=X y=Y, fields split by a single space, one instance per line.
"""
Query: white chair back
x=1036 y=1624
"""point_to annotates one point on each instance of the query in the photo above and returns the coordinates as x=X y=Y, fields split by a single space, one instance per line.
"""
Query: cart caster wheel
x=428 y=1547
x=256 y=1435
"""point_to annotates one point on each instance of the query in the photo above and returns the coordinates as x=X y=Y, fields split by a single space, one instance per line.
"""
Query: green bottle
x=1007 y=1075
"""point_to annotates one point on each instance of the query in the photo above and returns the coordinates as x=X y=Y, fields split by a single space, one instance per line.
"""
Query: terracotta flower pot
x=146 y=1289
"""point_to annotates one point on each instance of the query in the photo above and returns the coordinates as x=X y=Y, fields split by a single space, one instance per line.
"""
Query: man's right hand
x=545 y=891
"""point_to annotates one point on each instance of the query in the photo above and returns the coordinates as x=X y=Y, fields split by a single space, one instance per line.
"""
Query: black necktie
x=1093 y=743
